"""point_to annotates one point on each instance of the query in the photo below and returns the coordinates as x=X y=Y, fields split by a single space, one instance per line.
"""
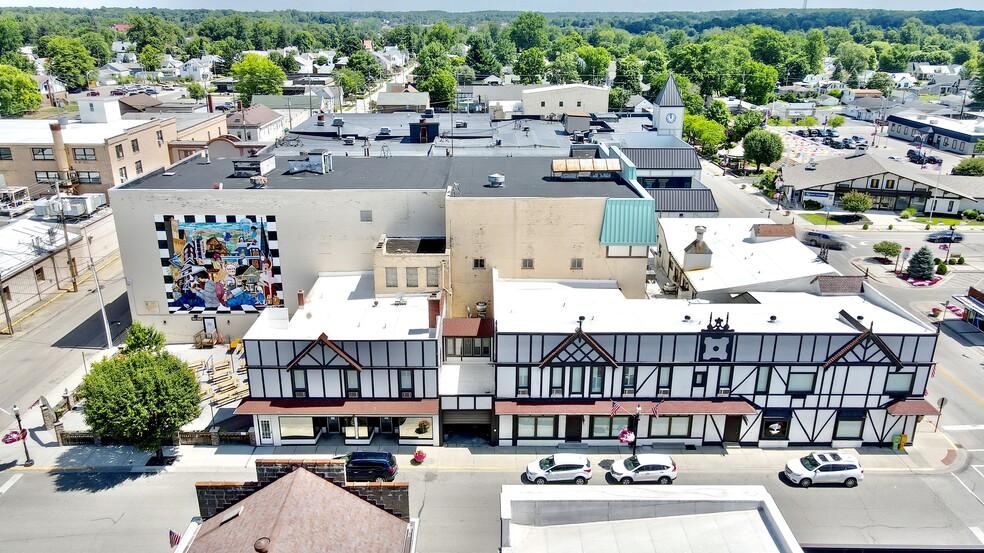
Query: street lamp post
x=20 y=429
x=638 y=414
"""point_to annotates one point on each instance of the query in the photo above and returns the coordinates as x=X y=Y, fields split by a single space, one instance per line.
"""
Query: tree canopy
x=856 y=202
x=973 y=167
x=257 y=75
x=18 y=92
x=762 y=147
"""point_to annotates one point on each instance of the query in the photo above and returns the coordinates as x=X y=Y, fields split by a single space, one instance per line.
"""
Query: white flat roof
x=38 y=131
x=736 y=261
x=681 y=519
x=344 y=306
x=17 y=240
x=540 y=306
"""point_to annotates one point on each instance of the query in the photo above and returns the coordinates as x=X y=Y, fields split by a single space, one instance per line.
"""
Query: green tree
x=835 y=121
x=257 y=75
x=596 y=60
x=856 y=202
x=529 y=31
x=69 y=60
x=11 y=37
x=141 y=398
x=97 y=47
x=564 y=69
x=19 y=61
x=718 y=111
x=921 y=264
x=617 y=98
x=504 y=50
x=759 y=81
x=709 y=134
x=769 y=46
x=655 y=65
x=973 y=167
x=153 y=30
x=854 y=58
x=441 y=86
x=979 y=147
x=815 y=50
x=888 y=248
x=18 y=92
x=196 y=91
x=531 y=66
x=480 y=56
x=142 y=337
x=350 y=81
x=978 y=90
x=150 y=58
x=762 y=146
x=567 y=44
x=742 y=124
x=809 y=122
x=304 y=41
x=464 y=74
x=881 y=81
x=367 y=64
x=287 y=63
x=442 y=33
x=628 y=74
x=895 y=59
x=431 y=59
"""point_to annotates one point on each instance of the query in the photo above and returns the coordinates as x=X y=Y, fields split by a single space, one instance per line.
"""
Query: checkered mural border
x=269 y=223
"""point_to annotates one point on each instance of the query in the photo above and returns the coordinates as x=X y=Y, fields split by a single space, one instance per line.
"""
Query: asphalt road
x=460 y=511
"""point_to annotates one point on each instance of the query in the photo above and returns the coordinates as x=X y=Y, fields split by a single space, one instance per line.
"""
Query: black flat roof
x=524 y=177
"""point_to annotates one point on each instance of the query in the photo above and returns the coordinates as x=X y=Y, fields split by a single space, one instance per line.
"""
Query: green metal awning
x=629 y=222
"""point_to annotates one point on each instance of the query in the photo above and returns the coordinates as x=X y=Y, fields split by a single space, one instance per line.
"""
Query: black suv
x=370 y=466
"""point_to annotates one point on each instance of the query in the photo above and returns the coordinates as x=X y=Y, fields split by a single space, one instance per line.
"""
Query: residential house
x=52 y=90
x=294 y=109
x=638 y=104
x=827 y=100
x=925 y=71
x=89 y=155
x=112 y=72
x=852 y=94
x=492 y=80
x=903 y=80
x=171 y=67
x=197 y=70
x=869 y=108
x=391 y=102
x=256 y=123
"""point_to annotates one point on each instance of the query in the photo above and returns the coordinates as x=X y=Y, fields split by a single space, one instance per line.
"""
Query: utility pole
x=6 y=312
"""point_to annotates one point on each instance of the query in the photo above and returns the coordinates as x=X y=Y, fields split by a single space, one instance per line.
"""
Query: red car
x=93 y=93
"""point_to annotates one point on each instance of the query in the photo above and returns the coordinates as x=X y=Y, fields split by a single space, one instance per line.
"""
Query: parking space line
x=10 y=483
x=978 y=469
x=977 y=533
x=971 y=492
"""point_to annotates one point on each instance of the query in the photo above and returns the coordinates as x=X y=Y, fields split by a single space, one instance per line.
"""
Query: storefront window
x=850 y=424
x=356 y=427
x=775 y=428
x=535 y=427
x=670 y=427
x=416 y=428
x=607 y=427
x=296 y=428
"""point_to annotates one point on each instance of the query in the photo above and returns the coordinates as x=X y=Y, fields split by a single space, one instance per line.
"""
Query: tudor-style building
x=575 y=363
x=349 y=364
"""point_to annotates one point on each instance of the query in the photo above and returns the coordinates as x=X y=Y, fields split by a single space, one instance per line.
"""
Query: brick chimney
x=300 y=299
x=435 y=307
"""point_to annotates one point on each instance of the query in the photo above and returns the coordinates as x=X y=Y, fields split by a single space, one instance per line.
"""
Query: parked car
x=913 y=153
x=828 y=239
x=560 y=467
x=918 y=160
x=118 y=93
x=836 y=144
x=814 y=132
x=221 y=108
x=648 y=467
x=833 y=133
x=825 y=467
x=858 y=138
x=93 y=93
x=167 y=87
x=895 y=158
x=945 y=236
x=151 y=91
x=370 y=466
x=934 y=160
x=802 y=132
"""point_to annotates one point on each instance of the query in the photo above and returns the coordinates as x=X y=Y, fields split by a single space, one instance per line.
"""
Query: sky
x=511 y=5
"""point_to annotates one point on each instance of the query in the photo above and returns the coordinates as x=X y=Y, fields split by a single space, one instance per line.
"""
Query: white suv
x=649 y=467
x=825 y=467
x=560 y=467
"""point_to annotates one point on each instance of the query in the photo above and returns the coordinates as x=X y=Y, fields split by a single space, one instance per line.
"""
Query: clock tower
x=668 y=110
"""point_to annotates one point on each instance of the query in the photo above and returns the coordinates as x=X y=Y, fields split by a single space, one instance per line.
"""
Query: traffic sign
x=906 y=252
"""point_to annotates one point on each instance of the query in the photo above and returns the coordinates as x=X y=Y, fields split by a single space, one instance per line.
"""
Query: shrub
x=865 y=227
x=937 y=261
x=812 y=205
x=941 y=270
x=970 y=214
x=927 y=226
x=890 y=227
x=951 y=261
x=980 y=217
x=908 y=212
x=960 y=260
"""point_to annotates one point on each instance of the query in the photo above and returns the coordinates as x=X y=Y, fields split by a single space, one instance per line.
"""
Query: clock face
x=670 y=117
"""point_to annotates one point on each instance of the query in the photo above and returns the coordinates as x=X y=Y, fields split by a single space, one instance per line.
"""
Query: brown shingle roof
x=776 y=231
x=840 y=284
x=302 y=513
x=256 y=115
x=140 y=102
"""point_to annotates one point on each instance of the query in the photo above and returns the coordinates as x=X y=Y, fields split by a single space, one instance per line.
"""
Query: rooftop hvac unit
x=384 y=131
x=496 y=180
x=338 y=122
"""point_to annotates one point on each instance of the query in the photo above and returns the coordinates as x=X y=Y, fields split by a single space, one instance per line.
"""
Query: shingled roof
x=669 y=96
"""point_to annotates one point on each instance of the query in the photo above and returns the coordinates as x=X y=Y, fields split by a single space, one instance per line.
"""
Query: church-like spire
x=669 y=96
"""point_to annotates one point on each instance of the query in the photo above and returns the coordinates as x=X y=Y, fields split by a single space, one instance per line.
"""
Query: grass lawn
x=818 y=219
x=947 y=221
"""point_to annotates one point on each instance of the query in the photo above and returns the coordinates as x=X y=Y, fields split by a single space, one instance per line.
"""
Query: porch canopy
x=316 y=407
x=972 y=303
x=626 y=407
x=912 y=407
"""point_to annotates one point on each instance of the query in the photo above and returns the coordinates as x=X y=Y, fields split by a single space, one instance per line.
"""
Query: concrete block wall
x=268 y=470
x=215 y=497
x=392 y=497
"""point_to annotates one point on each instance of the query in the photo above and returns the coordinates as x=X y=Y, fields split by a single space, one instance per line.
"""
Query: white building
x=196 y=69
x=256 y=123
x=565 y=98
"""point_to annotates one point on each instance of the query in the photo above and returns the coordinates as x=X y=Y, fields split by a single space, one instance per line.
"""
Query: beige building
x=410 y=265
x=565 y=98
x=194 y=131
x=92 y=154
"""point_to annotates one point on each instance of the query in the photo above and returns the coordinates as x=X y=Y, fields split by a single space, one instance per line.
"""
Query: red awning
x=627 y=407
x=336 y=407
x=473 y=327
x=912 y=407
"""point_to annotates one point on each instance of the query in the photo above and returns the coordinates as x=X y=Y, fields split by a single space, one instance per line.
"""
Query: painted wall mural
x=220 y=263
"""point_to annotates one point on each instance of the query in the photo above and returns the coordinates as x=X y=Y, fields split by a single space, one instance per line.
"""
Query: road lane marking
x=963 y=387
x=9 y=483
x=977 y=533
x=971 y=492
x=959 y=427
x=977 y=468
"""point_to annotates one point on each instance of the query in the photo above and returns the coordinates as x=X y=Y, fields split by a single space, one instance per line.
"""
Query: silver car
x=561 y=467
x=825 y=467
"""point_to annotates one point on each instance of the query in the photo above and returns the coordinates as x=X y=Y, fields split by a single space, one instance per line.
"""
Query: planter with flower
x=418 y=457
x=935 y=312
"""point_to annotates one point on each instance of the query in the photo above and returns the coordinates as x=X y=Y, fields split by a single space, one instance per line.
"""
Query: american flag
x=656 y=410
x=615 y=408
x=174 y=538
x=933 y=373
